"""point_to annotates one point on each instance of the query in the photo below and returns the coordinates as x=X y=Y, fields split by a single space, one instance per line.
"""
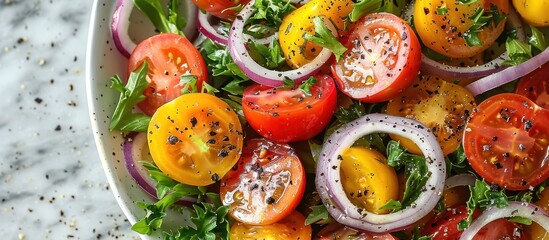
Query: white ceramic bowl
x=102 y=62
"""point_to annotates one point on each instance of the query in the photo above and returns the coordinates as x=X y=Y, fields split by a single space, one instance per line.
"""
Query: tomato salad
x=338 y=119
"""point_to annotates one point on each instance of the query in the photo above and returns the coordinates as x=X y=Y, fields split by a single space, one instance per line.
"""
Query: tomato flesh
x=382 y=59
x=288 y=115
x=535 y=86
x=291 y=227
x=195 y=139
x=265 y=185
x=169 y=56
x=224 y=9
x=507 y=141
x=338 y=231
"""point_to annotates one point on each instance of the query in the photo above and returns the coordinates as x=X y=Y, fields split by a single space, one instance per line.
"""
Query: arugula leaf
x=307 y=84
x=364 y=7
x=415 y=169
x=517 y=51
x=123 y=118
x=457 y=163
x=189 y=85
x=482 y=196
x=537 y=40
x=173 y=23
x=318 y=215
x=324 y=37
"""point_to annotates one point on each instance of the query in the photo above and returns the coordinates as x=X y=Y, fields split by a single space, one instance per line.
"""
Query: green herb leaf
x=324 y=37
x=442 y=10
x=481 y=197
x=481 y=19
x=318 y=215
x=123 y=118
x=521 y=220
x=307 y=84
x=155 y=12
x=364 y=7
x=517 y=51
x=270 y=56
x=537 y=39
x=271 y=12
x=467 y=1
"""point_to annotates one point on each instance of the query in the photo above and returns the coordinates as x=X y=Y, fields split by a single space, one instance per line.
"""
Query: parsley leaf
x=364 y=7
x=318 y=215
x=481 y=19
x=307 y=84
x=537 y=40
x=123 y=118
x=442 y=10
x=467 y=1
x=270 y=56
x=517 y=51
x=171 y=23
x=271 y=12
x=415 y=170
x=324 y=37
x=188 y=82
x=209 y=223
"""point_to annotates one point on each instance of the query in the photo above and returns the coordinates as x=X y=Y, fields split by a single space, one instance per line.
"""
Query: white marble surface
x=52 y=185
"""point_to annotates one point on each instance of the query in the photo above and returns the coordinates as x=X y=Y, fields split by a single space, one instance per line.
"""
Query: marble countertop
x=52 y=185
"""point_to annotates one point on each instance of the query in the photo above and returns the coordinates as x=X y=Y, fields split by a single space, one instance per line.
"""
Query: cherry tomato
x=382 y=59
x=291 y=227
x=338 y=231
x=296 y=49
x=456 y=195
x=534 y=12
x=195 y=139
x=224 y=9
x=444 y=25
x=265 y=185
x=367 y=179
x=169 y=56
x=441 y=106
x=535 y=86
x=535 y=231
x=500 y=229
x=288 y=115
x=506 y=141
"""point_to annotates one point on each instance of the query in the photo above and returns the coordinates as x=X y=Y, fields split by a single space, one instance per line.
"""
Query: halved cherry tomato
x=265 y=185
x=534 y=12
x=443 y=25
x=535 y=231
x=382 y=59
x=224 y=9
x=535 y=86
x=506 y=141
x=338 y=231
x=288 y=115
x=445 y=227
x=367 y=179
x=169 y=57
x=291 y=227
x=441 y=106
x=195 y=139
x=296 y=49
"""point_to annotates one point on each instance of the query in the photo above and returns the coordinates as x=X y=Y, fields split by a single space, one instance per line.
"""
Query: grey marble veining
x=52 y=185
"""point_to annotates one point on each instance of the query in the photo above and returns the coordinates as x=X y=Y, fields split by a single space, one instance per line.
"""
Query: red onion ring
x=205 y=27
x=133 y=147
x=464 y=179
x=514 y=209
x=121 y=23
x=509 y=74
x=331 y=190
x=258 y=73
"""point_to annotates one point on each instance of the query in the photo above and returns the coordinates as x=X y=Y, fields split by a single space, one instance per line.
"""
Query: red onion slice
x=121 y=23
x=258 y=73
x=328 y=175
x=514 y=209
x=464 y=179
x=205 y=27
x=135 y=151
x=509 y=74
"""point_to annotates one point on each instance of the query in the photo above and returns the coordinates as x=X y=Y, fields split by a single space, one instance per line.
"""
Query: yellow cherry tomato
x=296 y=49
x=367 y=180
x=535 y=231
x=444 y=25
x=195 y=139
x=534 y=12
x=291 y=227
x=441 y=106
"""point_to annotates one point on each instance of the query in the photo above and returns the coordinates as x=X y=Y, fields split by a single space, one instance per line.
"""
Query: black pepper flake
x=270 y=200
x=223 y=153
x=193 y=121
x=58 y=128
x=528 y=125
x=172 y=140
x=215 y=177
x=38 y=100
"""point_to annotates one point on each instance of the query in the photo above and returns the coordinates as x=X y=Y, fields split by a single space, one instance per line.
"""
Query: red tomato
x=338 y=231
x=383 y=59
x=506 y=141
x=535 y=86
x=169 y=57
x=224 y=9
x=265 y=185
x=445 y=227
x=287 y=115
